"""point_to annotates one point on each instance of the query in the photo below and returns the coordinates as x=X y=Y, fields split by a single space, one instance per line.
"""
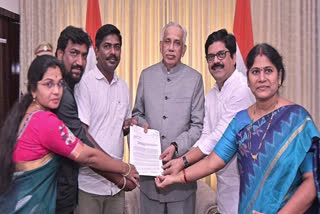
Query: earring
x=34 y=99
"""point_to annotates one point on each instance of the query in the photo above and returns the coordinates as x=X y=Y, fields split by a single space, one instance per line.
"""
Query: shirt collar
x=173 y=70
x=100 y=76
x=230 y=80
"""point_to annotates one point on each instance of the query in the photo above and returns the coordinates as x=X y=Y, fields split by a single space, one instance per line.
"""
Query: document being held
x=145 y=150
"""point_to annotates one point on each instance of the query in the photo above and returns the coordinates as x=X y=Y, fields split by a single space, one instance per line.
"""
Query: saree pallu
x=32 y=191
x=269 y=181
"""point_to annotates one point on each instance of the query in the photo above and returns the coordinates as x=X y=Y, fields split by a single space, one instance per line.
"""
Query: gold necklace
x=255 y=156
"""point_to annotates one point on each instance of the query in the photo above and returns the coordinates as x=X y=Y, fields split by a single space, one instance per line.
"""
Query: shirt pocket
x=121 y=110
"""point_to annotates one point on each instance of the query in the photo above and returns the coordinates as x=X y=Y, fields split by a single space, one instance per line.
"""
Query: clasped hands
x=172 y=170
x=130 y=180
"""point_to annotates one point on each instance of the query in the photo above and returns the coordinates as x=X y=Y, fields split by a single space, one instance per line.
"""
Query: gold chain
x=255 y=156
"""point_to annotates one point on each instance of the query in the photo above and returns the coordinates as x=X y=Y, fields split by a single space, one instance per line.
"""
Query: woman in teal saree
x=276 y=145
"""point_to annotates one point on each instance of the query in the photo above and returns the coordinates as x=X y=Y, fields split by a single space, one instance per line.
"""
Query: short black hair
x=106 y=30
x=223 y=36
x=76 y=35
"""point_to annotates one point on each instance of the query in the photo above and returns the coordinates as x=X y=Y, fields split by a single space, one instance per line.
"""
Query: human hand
x=173 y=167
x=256 y=212
x=132 y=175
x=164 y=181
x=129 y=122
x=168 y=153
x=145 y=127
x=128 y=186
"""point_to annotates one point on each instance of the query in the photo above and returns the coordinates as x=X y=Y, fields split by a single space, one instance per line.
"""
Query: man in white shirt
x=104 y=109
x=229 y=95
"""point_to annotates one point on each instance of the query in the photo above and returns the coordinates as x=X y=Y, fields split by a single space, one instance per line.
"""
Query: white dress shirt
x=220 y=108
x=103 y=107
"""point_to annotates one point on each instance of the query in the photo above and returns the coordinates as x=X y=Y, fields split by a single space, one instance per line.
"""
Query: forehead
x=262 y=61
x=173 y=32
x=216 y=47
x=74 y=46
x=111 y=38
x=52 y=73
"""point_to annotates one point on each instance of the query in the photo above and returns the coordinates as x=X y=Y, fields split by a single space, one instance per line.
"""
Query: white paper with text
x=145 y=150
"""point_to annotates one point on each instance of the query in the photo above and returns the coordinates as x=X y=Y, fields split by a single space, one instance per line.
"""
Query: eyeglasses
x=51 y=84
x=220 y=55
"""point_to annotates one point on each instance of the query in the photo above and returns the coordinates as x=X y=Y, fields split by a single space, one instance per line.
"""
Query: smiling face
x=49 y=89
x=74 y=59
x=109 y=53
x=172 y=47
x=220 y=69
x=263 y=78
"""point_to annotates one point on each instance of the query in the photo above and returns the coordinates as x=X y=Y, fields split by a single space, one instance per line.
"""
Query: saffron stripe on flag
x=93 y=23
x=242 y=29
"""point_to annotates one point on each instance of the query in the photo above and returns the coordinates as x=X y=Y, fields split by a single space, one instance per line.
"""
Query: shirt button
x=163 y=137
x=166 y=97
x=164 y=117
x=168 y=79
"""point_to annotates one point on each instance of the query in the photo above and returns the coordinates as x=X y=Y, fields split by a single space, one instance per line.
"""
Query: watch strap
x=176 y=148
x=185 y=161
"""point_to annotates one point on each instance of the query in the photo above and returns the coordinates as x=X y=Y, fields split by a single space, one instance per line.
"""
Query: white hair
x=176 y=25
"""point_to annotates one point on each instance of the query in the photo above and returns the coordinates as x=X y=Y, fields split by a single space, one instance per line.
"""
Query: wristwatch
x=185 y=161
x=176 y=147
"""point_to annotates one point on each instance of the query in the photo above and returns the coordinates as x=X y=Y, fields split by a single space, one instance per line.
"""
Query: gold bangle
x=129 y=166
x=124 y=183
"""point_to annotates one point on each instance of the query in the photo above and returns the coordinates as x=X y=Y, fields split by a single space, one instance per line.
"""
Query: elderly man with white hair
x=170 y=99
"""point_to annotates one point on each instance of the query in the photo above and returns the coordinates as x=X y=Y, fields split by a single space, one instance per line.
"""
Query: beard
x=71 y=79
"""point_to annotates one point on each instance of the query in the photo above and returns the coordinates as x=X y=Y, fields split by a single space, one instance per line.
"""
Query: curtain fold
x=289 y=25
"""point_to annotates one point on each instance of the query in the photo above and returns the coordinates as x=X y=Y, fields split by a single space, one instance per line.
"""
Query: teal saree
x=32 y=191
x=273 y=153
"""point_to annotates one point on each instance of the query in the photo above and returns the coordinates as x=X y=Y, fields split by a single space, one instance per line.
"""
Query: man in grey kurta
x=170 y=99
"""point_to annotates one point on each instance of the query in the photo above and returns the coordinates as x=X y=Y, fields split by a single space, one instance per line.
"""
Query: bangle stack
x=185 y=176
x=129 y=170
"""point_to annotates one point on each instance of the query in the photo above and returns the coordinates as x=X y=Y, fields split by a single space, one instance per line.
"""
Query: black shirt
x=67 y=186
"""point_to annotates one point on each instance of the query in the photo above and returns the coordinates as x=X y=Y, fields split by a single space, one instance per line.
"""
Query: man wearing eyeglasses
x=229 y=95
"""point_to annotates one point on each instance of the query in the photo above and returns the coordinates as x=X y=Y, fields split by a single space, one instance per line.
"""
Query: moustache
x=113 y=57
x=77 y=67
x=216 y=65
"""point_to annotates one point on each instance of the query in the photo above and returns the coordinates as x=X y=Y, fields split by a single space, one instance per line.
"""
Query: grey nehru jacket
x=172 y=103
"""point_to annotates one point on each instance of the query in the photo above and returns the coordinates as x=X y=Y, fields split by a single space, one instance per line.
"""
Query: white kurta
x=220 y=108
